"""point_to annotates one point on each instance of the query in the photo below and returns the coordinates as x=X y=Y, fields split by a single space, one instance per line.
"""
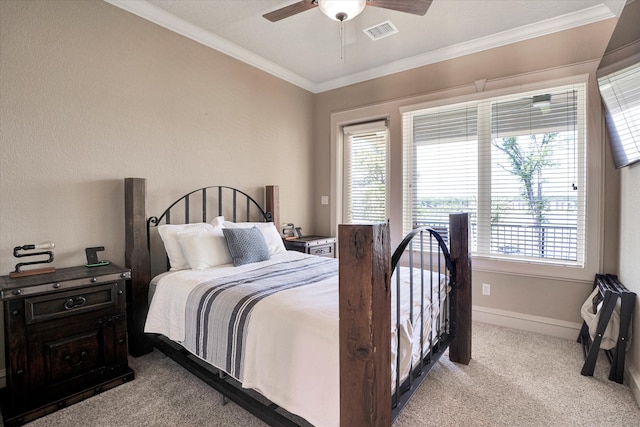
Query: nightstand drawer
x=49 y=307
x=325 y=250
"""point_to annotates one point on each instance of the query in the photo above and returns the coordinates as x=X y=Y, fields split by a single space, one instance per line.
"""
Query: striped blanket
x=221 y=308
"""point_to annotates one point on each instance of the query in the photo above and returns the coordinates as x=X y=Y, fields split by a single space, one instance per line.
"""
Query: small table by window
x=313 y=245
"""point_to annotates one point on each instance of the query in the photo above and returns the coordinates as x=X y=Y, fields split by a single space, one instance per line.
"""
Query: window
x=365 y=173
x=515 y=163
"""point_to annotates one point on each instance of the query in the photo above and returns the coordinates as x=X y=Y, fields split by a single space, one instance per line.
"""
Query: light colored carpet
x=516 y=378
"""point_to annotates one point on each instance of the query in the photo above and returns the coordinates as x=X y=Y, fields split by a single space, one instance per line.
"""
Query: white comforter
x=291 y=346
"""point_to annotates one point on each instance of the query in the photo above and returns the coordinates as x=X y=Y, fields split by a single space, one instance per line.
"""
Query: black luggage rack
x=610 y=289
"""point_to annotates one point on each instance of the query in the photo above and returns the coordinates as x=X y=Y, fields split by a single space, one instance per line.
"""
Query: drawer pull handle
x=72 y=303
x=69 y=360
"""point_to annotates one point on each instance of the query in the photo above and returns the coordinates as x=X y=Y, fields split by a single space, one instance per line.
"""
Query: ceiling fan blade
x=291 y=10
x=415 y=7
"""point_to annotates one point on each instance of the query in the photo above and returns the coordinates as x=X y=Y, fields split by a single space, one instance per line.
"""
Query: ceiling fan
x=343 y=10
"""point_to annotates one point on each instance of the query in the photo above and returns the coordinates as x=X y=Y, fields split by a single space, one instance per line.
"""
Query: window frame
x=496 y=263
x=364 y=128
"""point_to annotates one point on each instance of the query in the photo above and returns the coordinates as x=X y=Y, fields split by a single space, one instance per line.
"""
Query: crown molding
x=177 y=25
x=160 y=17
x=560 y=23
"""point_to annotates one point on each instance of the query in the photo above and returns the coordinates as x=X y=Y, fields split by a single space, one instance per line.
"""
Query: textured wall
x=91 y=94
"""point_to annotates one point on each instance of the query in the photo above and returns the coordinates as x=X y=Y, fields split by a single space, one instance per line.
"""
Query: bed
x=282 y=333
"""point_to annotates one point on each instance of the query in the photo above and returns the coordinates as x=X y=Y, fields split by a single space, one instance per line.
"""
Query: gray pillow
x=246 y=245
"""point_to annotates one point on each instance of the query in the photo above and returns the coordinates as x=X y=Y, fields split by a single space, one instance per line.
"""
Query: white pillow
x=219 y=220
x=169 y=235
x=204 y=249
x=269 y=231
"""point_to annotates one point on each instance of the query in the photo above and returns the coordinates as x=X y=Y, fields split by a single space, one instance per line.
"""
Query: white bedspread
x=291 y=346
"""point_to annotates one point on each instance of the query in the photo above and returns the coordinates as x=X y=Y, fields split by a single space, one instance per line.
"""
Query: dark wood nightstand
x=65 y=339
x=314 y=245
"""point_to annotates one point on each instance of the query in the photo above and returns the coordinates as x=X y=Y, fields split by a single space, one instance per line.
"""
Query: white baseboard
x=527 y=322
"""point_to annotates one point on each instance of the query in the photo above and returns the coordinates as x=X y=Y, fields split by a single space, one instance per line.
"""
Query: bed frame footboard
x=460 y=347
x=365 y=316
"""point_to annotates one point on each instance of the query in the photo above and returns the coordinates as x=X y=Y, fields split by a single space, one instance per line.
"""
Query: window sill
x=546 y=270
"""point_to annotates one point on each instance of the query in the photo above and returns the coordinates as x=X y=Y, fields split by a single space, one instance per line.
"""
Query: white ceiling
x=305 y=49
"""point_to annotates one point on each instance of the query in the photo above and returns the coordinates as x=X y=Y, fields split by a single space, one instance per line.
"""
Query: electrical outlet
x=324 y=200
x=486 y=289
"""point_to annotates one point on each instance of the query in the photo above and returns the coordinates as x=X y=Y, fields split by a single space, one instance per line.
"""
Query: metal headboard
x=205 y=203
x=221 y=194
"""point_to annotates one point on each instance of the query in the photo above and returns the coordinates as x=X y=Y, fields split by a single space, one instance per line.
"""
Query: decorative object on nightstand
x=65 y=339
x=16 y=253
x=288 y=231
x=92 y=257
x=314 y=245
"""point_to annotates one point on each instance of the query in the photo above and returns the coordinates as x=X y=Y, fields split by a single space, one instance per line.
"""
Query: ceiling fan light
x=342 y=10
x=542 y=102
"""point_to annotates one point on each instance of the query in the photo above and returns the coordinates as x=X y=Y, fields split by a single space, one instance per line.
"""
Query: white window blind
x=441 y=172
x=620 y=92
x=365 y=173
x=515 y=163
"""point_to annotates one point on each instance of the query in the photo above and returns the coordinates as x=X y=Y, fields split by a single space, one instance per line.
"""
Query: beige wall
x=539 y=296
x=90 y=94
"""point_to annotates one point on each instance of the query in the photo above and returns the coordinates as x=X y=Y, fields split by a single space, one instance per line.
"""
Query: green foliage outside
x=527 y=163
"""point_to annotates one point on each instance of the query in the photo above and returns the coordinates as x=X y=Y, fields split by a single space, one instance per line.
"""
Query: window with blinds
x=516 y=164
x=365 y=173
x=620 y=92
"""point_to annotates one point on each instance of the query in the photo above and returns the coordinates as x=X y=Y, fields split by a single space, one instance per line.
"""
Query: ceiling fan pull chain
x=342 y=43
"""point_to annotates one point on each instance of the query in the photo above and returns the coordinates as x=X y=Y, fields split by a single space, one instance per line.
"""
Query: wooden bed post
x=136 y=256
x=460 y=348
x=272 y=203
x=365 y=316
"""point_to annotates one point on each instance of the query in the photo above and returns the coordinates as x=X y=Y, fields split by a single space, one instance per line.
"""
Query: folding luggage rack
x=610 y=289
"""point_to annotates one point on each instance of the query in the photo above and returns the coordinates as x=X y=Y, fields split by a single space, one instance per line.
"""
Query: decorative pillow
x=246 y=245
x=169 y=235
x=204 y=249
x=269 y=232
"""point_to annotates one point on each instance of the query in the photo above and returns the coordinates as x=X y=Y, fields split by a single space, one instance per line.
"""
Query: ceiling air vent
x=381 y=30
